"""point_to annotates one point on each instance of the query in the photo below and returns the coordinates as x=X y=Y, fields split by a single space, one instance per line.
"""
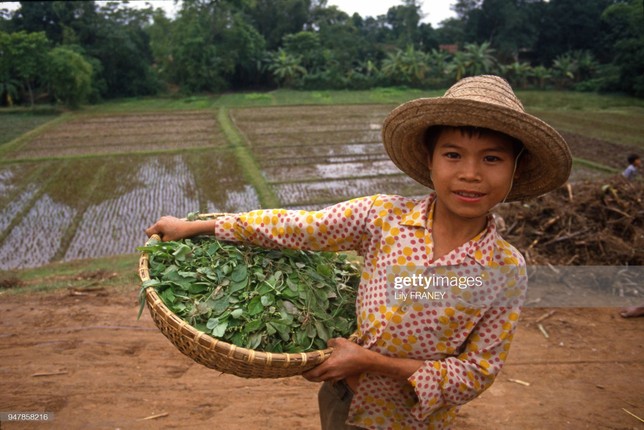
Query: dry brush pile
x=595 y=223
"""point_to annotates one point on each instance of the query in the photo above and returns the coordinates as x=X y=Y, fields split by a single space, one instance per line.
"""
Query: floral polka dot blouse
x=463 y=339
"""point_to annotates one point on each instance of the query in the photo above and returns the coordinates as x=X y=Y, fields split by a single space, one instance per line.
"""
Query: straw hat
x=481 y=101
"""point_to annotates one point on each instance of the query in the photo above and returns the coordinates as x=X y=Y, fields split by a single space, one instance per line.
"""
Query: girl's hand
x=171 y=228
x=347 y=359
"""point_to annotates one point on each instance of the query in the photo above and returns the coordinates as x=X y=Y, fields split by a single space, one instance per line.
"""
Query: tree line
x=72 y=52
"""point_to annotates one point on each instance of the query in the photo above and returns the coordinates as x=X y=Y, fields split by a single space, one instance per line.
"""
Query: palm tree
x=517 y=73
x=541 y=74
x=458 y=66
x=564 y=68
x=9 y=91
x=286 y=68
x=586 y=64
x=480 y=58
x=416 y=65
x=438 y=61
x=392 y=65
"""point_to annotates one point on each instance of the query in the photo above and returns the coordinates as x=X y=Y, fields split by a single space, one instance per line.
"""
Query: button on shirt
x=461 y=333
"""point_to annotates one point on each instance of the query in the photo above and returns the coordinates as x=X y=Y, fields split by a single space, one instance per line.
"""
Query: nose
x=470 y=170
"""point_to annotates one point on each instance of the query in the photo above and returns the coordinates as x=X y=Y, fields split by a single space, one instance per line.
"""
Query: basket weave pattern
x=219 y=355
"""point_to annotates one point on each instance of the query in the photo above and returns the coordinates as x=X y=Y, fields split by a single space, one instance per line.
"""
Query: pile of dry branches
x=586 y=223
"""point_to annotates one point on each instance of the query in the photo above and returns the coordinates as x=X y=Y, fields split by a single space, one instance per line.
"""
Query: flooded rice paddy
x=88 y=187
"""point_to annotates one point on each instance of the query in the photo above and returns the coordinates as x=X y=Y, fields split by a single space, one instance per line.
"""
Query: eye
x=452 y=155
x=492 y=159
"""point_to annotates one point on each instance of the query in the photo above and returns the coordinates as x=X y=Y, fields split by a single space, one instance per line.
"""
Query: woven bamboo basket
x=222 y=356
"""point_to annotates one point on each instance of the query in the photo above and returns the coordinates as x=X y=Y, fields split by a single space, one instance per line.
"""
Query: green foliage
x=24 y=59
x=269 y=300
x=214 y=46
x=625 y=32
x=275 y=19
x=70 y=76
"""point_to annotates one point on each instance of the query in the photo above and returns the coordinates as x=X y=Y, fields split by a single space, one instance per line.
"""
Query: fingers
x=162 y=227
x=320 y=374
x=312 y=375
x=152 y=230
x=156 y=228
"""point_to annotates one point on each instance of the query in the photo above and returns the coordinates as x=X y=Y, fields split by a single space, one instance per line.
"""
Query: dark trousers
x=334 y=399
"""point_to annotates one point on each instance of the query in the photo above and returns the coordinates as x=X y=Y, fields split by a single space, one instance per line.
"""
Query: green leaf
x=220 y=329
x=181 y=252
x=324 y=270
x=270 y=329
x=237 y=286
x=283 y=330
x=255 y=306
x=219 y=305
x=212 y=323
x=253 y=325
x=267 y=300
x=254 y=340
x=311 y=331
x=151 y=283
x=322 y=331
x=239 y=273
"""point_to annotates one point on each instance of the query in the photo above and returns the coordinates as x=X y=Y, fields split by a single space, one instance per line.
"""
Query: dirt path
x=90 y=362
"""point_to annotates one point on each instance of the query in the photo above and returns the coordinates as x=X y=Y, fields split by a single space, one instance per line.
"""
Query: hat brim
x=547 y=161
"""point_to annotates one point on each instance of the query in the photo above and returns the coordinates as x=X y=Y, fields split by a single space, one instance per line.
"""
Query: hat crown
x=486 y=89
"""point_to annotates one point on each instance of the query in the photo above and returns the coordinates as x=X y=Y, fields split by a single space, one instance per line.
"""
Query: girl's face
x=471 y=173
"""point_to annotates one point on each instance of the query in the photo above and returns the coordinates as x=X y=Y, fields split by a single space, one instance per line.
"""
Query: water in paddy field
x=38 y=226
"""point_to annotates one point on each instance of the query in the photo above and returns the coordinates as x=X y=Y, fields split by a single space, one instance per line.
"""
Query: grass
x=30 y=125
x=108 y=272
x=280 y=97
x=577 y=162
x=13 y=125
x=578 y=101
x=622 y=127
x=247 y=163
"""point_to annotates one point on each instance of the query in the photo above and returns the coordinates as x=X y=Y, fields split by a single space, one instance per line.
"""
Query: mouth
x=469 y=194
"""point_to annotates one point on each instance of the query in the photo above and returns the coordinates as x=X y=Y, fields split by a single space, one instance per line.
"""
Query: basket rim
x=249 y=355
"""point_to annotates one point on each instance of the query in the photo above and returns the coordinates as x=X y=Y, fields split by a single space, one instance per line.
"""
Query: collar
x=480 y=248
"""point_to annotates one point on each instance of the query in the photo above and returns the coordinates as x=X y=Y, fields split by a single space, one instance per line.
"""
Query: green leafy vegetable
x=269 y=300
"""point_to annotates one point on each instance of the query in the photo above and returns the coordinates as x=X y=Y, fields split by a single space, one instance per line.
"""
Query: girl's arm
x=339 y=227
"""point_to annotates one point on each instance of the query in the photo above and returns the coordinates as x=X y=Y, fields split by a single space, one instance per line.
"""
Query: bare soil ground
x=86 y=358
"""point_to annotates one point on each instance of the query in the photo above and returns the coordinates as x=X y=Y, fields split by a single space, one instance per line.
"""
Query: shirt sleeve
x=340 y=227
x=456 y=380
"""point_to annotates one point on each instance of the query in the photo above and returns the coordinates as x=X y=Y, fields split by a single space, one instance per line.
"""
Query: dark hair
x=433 y=132
x=632 y=158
